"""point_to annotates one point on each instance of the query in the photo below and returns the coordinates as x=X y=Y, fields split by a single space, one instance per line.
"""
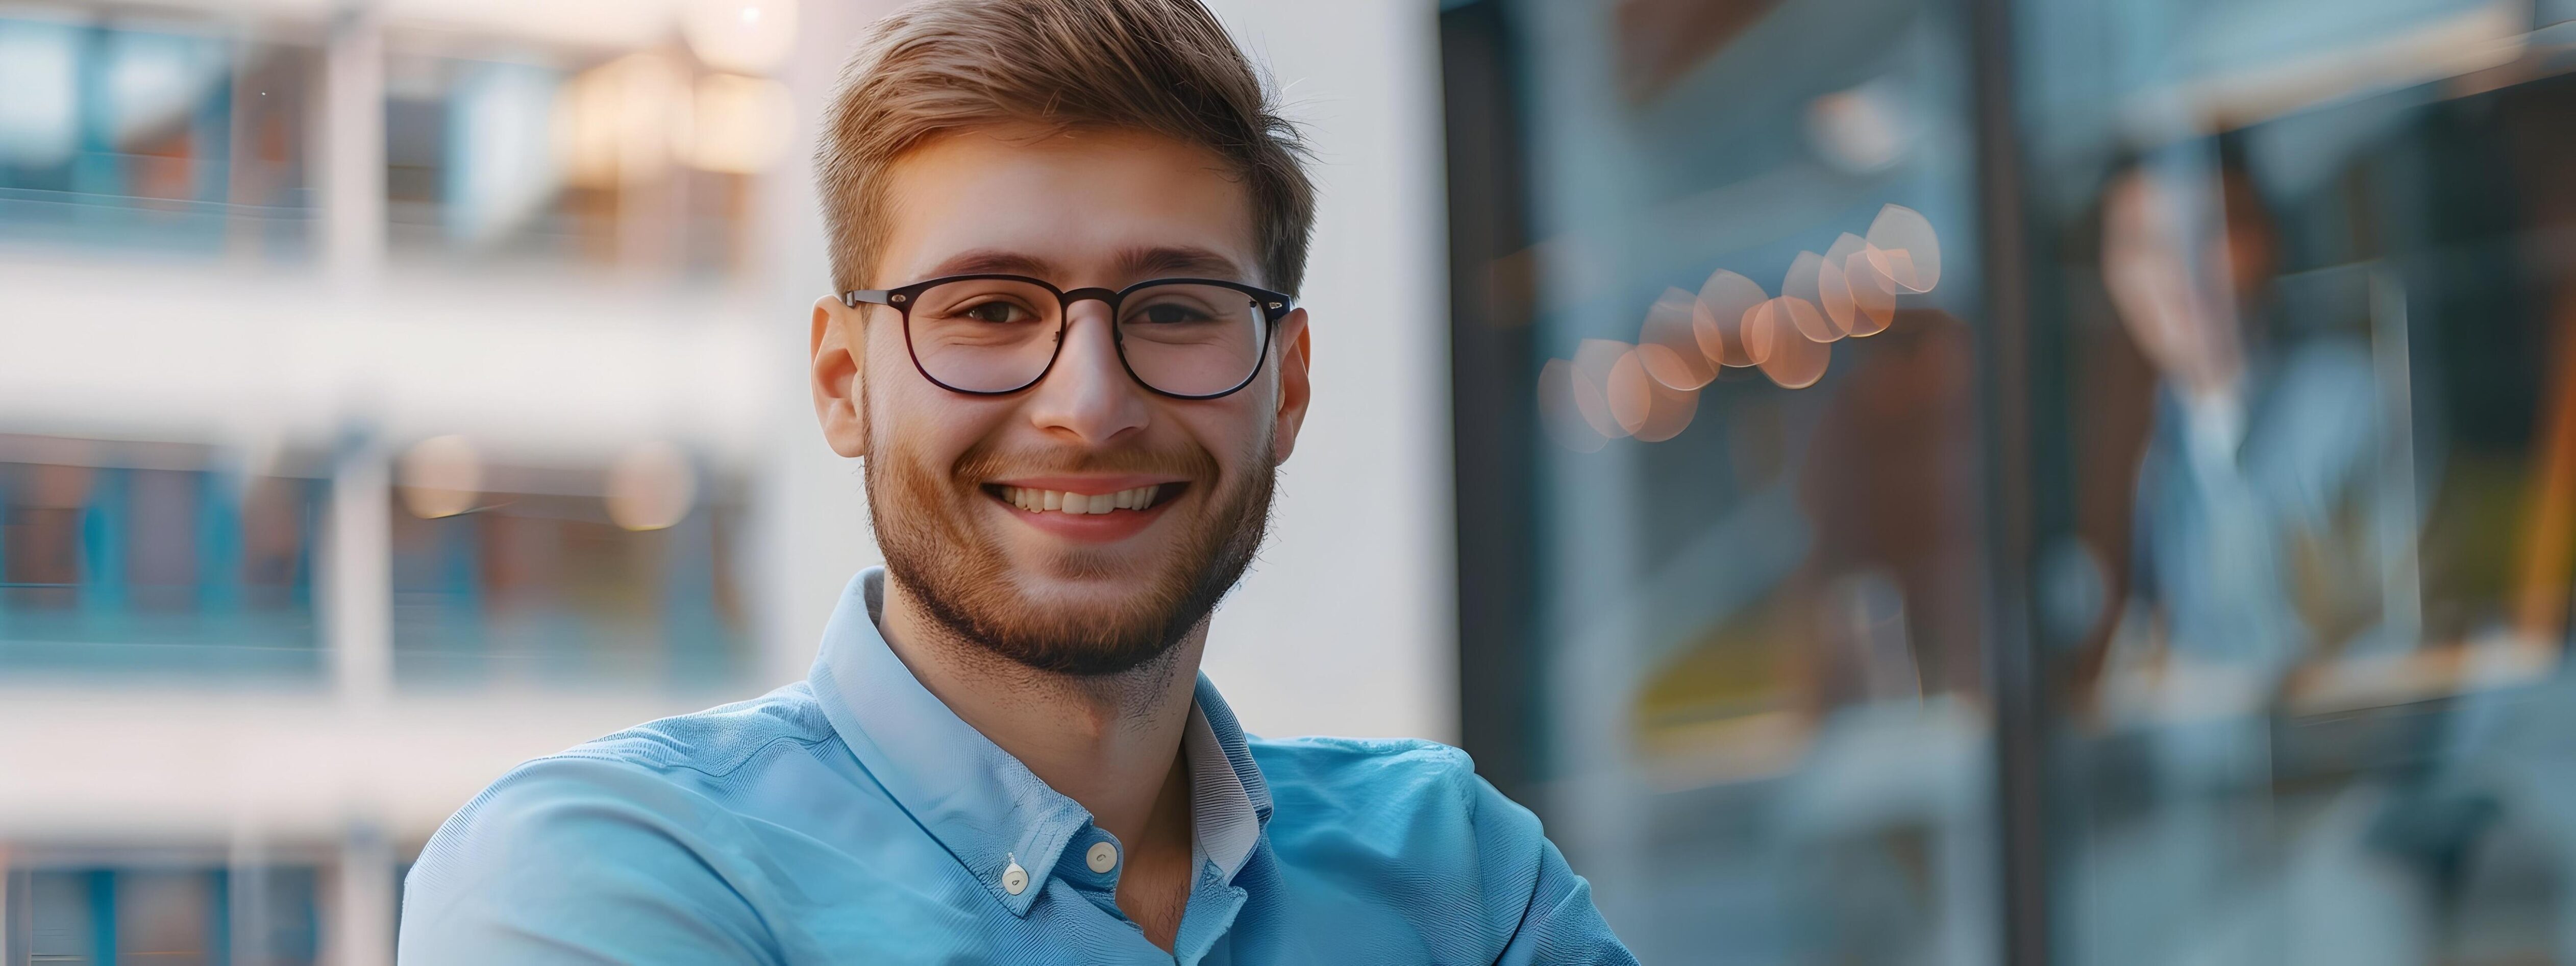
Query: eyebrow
x=995 y=260
x=1159 y=260
x=1133 y=264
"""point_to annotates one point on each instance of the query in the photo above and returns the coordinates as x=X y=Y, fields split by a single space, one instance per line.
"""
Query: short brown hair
x=1164 y=66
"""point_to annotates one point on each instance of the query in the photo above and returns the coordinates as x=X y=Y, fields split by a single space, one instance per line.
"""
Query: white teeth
x=1041 y=501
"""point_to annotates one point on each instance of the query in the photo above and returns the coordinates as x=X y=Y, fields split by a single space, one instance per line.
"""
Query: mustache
x=982 y=463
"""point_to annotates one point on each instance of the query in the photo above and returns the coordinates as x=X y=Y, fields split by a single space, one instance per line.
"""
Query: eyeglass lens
x=998 y=335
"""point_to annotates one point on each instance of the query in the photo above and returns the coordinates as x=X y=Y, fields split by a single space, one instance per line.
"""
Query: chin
x=1070 y=583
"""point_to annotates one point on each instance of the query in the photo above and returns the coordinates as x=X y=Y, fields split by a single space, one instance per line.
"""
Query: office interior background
x=1887 y=481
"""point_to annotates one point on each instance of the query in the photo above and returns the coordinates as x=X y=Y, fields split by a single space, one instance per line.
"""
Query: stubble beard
x=964 y=580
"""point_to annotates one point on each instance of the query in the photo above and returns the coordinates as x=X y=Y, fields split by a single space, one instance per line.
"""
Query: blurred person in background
x=1070 y=401
x=2252 y=554
x=2251 y=542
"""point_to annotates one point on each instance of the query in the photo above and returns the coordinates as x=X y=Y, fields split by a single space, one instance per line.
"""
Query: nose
x=1087 y=397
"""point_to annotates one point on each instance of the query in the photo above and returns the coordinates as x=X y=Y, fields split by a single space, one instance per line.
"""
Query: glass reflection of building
x=2182 y=577
x=325 y=492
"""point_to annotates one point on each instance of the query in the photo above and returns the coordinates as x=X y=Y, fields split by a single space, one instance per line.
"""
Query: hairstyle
x=2242 y=203
x=1162 y=66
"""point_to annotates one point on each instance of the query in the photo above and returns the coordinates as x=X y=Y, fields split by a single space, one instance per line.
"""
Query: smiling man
x=1065 y=234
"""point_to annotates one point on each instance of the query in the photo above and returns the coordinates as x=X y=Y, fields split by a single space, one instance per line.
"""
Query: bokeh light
x=1560 y=415
x=1668 y=412
x=1789 y=358
x=1593 y=361
x=1649 y=390
x=1630 y=392
x=1863 y=300
x=1668 y=345
x=441 y=476
x=1858 y=131
x=651 y=487
x=750 y=36
x=619 y=121
x=1803 y=287
x=1717 y=317
x=1912 y=252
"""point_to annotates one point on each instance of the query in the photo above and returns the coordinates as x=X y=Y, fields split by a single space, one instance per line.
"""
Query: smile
x=1035 y=500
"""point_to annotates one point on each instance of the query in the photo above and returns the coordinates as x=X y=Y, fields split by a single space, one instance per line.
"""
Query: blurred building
x=2024 y=480
x=394 y=391
x=381 y=406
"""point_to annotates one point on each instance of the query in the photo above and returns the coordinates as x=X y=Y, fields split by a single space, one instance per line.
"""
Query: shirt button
x=1103 y=857
x=1015 y=880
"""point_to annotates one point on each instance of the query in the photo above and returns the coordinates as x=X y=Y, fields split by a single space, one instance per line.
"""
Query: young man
x=1064 y=233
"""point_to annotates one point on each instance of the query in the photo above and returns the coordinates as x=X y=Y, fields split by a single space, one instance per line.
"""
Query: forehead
x=1084 y=207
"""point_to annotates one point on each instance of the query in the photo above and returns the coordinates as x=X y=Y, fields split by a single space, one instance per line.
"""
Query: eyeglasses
x=990 y=335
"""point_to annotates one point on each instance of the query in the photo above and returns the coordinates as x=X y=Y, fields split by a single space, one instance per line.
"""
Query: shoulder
x=1353 y=784
x=673 y=779
x=713 y=744
x=1360 y=826
x=629 y=848
x=1333 y=765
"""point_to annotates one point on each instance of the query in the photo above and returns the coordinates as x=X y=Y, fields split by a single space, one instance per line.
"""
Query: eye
x=1171 y=313
x=997 y=311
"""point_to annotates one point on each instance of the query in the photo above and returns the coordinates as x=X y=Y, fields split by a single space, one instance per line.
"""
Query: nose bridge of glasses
x=1108 y=298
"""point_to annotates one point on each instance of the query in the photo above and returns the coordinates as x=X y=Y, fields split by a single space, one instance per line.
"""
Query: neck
x=1111 y=742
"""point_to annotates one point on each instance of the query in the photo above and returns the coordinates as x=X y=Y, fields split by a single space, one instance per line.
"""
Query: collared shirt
x=853 y=818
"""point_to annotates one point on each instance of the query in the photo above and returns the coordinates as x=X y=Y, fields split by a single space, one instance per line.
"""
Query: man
x=2258 y=524
x=2260 y=544
x=1063 y=232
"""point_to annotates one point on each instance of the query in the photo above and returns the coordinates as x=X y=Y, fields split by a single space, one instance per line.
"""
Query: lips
x=1038 y=500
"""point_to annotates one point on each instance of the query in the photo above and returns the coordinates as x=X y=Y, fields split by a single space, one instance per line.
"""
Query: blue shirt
x=853 y=818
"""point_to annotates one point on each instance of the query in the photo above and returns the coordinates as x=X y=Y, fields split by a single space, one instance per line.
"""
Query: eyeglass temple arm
x=876 y=295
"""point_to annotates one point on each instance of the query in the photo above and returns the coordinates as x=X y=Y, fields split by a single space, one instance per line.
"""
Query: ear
x=839 y=348
x=1295 y=389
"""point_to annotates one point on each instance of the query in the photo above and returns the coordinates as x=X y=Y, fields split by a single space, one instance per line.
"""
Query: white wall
x=1346 y=624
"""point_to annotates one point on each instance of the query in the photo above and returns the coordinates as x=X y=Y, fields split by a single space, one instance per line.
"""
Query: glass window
x=174 y=135
x=2294 y=449
x=1747 y=295
x=156 y=558
x=168 y=912
x=643 y=160
x=585 y=576
x=2318 y=457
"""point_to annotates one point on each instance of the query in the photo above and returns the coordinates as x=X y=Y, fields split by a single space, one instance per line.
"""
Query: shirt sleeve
x=1557 y=921
x=571 y=861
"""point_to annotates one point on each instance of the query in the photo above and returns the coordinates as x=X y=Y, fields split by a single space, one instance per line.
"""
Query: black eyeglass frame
x=1273 y=305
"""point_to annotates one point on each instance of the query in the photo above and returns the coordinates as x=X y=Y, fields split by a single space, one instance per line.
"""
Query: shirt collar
x=985 y=807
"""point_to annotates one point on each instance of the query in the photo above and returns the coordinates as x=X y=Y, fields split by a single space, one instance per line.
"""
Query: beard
x=925 y=525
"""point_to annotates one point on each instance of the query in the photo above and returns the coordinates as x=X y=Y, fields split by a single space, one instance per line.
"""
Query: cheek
x=914 y=421
x=1237 y=430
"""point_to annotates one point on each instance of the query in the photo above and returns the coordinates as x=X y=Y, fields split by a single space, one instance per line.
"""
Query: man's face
x=2168 y=280
x=1082 y=593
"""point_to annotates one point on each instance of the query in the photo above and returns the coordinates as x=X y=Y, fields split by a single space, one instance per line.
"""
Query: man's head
x=2187 y=255
x=1089 y=144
